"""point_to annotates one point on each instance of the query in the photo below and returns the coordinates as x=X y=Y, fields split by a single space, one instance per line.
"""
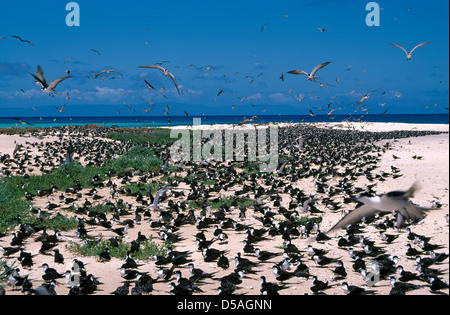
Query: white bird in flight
x=166 y=73
x=312 y=76
x=40 y=80
x=396 y=201
x=409 y=54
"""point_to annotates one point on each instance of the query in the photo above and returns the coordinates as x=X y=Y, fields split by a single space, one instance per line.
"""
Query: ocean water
x=162 y=121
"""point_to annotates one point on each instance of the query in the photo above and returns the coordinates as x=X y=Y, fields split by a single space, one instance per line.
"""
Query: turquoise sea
x=163 y=121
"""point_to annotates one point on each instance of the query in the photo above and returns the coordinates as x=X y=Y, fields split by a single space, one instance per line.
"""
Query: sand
x=432 y=172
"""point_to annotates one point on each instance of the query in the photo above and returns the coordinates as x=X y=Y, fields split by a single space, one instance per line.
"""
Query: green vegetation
x=5 y=270
x=139 y=158
x=219 y=202
x=146 y=250
x=14 y=189
x=19 y=130
x=157 y=136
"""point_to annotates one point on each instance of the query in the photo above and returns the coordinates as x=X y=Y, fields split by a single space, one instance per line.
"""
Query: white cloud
x=103 y=94
x=280 y=97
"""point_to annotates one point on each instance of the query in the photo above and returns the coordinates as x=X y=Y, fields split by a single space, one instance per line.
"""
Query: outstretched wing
x=149 y=85
x=298 y=72
x=57 y=81
x=153 y=67
x=175 y=82
x=323 y=65
x=355 y=216
x=40 y=75
x=420 y=45
x=399 y=47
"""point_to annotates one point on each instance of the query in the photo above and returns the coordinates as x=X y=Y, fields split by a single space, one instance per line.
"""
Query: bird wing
x=153 y=67
x=40 y=75
x=175 y=82
x=399 y=47
x=414 y=213
x=319 y=67
x=355 y=216
x=149 y=85
x=298 y=72
x=373 y=91
x=420 y=45
x=57 y=81
x=411 y=191
x=406 y=195
x=44 y=84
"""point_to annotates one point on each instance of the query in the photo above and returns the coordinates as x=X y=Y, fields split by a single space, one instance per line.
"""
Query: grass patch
x=219 y=202
x=147 y=249
x=157 y=136
x=5 y=270
x=139 y=158
x=19 y=130
x=14 y=189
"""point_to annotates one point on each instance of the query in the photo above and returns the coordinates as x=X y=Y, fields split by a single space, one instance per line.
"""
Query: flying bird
x=409 y=54
x=23 y=40
x=96 y=51
x=166 y=73
x=312 y=76
x=149 y=85
x=22 y=122
x=366 y=97
x=61 y=110
x=395 y=201
x=264 y=26
x=40 y=80
x=104 y=71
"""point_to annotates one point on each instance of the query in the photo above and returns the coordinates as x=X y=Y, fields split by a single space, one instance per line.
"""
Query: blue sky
x=225 y=35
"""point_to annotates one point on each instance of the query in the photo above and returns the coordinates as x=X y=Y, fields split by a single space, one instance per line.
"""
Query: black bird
x=340 y=270
x=145 y=282
x=315 y=251
x=122 y=290
x=50 y=274
x=352 y=289
x=197 y=274
x=26 y=260
x=406 y=276
x=265 y=255
x=398 y=287
x=105 y=255
x=318 y=285
x=388 y=238
x=223 y=262
x=59 y=258
x=282 y=275
x=323 y=260
x=268 y=288
x=437 y=284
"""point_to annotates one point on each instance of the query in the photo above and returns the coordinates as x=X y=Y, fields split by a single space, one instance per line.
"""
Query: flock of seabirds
x=109 y=74
x=258 y=236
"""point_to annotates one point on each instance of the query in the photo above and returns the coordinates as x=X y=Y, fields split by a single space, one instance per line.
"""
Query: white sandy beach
x=432 y=172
